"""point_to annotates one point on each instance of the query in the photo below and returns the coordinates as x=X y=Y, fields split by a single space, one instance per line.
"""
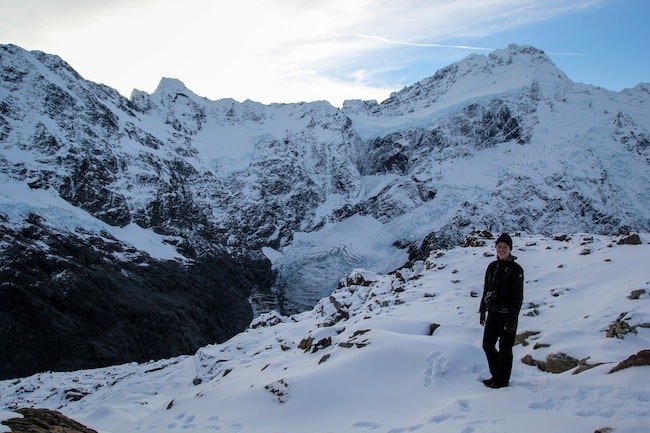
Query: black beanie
x=505 y=237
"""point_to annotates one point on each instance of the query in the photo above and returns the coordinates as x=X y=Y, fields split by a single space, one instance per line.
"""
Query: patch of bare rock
x=35 y=420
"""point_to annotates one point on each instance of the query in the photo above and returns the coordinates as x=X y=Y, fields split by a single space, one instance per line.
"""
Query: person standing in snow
x=503 y=293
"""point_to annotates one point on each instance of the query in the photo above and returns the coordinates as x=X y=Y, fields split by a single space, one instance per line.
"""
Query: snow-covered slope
x=400 y=352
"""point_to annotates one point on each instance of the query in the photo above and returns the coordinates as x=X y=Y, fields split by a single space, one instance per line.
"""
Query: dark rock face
x=73 y=305
x=35 y=420
x=474 y=128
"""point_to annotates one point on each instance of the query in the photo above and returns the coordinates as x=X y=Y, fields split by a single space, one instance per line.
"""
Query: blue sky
x=613 y=43
x=297 y=50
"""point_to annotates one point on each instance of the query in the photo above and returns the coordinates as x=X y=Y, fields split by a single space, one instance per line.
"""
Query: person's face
x=503 y=250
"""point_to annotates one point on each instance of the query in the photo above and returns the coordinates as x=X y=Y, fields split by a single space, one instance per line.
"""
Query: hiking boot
x=488 y=382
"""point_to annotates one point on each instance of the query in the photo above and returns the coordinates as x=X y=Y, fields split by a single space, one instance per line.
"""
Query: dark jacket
x=503 y=291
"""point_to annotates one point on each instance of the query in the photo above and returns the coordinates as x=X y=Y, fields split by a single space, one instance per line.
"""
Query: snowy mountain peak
x=174 y=87
x=525 y=54
x=520 y=59
x=476 y=78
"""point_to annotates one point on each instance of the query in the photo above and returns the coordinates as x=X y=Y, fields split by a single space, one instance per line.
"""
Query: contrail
x=462 y=47
x=567 y=54
x=415 y=44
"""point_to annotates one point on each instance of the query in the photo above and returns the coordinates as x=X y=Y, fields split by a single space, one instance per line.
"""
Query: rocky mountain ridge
x=501 y=142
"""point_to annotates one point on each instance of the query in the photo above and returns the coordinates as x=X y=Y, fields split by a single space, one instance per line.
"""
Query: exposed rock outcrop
x=35 y=420
x=554 y=363
x=639 y=359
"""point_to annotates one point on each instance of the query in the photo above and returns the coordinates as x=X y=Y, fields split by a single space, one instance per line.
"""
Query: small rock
x=639 y=359
x=619 y=328
x=529 y=360
x=584 y=366
x=555 y=363
x=75 y=394
x=523 y=337
x=540 y=346
x=306 y=343
x=560 y=362
x=472 y=241
x=636 y=294
x=631 y=239
x=321 y=344
x=280 y=389
x=532 y=313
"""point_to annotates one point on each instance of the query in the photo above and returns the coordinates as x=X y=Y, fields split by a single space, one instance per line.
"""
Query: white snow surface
x=383 y=371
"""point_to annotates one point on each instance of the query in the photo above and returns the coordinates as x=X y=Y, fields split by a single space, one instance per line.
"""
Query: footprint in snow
x=440 y=418
x=464 y=405
x=436 y=366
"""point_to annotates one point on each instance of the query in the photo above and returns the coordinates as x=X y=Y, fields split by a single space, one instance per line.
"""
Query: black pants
x=499 y=361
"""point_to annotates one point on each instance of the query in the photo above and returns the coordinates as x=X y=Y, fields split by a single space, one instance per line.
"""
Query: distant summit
x=502 y=73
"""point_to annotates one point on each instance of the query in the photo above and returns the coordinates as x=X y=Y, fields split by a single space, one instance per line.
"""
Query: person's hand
x=482 y=319
x=510 y=327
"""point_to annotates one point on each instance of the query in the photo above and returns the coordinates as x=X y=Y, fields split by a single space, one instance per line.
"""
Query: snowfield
x=399 y=352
